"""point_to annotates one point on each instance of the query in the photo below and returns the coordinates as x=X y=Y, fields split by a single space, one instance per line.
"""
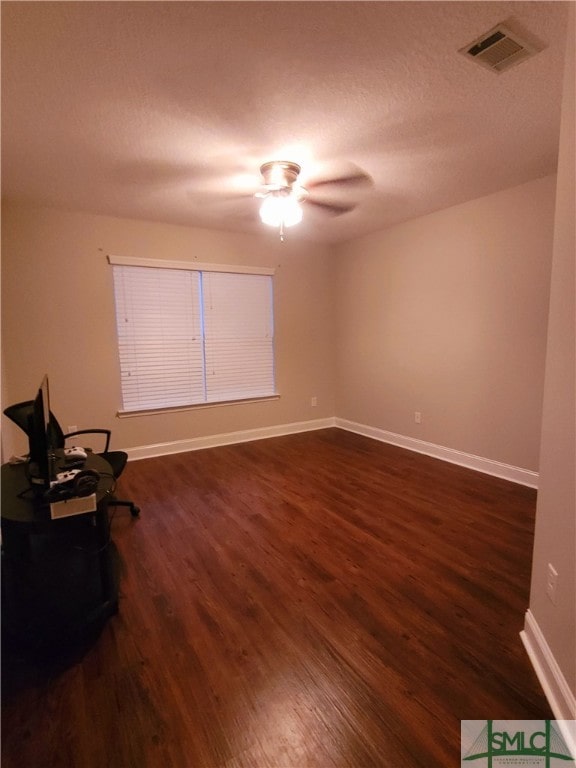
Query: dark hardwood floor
x=311 y=601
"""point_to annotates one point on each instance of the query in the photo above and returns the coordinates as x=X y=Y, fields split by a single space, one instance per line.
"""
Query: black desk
x=58 y=575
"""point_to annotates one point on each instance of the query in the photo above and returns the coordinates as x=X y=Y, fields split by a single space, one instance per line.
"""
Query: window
x=189 y=336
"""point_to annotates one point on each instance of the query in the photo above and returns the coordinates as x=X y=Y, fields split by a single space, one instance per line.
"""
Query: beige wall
x=555 y=539
x=446 y=315
x=58 y=317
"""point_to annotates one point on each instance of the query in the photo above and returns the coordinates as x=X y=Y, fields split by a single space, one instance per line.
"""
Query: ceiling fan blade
x=333 y=209
x=355 y=178
x=211 y=197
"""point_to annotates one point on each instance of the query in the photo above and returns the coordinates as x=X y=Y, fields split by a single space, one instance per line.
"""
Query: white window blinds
x=192 y=336
x=238 y=335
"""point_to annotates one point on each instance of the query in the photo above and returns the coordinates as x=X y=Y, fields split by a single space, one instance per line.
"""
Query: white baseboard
x=478 y=463
x=487 y=466
x=557 y=691
x=227 y=438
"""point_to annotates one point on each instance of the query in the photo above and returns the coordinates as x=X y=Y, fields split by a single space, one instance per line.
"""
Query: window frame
x=194 y=266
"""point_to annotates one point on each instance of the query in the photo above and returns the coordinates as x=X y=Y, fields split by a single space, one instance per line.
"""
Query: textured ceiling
x=165 y=110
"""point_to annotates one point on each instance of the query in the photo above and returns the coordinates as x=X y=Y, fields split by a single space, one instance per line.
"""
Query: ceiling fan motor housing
x=279 y=174
x=280 y=180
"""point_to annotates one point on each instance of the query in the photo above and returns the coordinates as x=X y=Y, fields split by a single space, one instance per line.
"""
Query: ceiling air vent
x=499 y=49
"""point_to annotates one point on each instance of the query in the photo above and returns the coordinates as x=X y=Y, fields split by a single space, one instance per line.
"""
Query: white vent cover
x=499 y=49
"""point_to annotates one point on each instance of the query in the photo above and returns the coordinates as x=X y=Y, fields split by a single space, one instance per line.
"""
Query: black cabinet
x=58 y=576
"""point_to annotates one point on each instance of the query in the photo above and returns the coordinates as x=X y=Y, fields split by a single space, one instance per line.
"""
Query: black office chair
x=21 y=413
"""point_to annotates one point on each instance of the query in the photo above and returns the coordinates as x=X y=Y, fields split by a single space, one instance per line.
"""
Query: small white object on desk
x=75 y=452
x=80 y=505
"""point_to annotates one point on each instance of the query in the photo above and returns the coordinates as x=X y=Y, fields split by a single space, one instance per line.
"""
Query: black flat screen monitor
x=40 y=466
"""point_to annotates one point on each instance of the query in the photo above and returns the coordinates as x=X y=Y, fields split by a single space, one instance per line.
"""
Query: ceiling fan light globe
x=279 y=211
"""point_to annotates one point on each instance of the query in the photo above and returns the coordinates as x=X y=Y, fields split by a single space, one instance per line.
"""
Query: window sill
x=194 y=407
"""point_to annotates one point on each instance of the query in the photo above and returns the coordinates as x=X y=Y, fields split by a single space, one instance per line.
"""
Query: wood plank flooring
x=319 y=600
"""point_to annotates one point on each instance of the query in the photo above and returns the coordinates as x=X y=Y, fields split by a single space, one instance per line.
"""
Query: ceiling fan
x=282 y=194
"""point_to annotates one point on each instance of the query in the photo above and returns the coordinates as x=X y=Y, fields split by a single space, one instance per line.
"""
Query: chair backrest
x=22 y=413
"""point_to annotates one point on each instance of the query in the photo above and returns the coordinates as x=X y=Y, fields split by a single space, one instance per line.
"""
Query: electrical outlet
x=552 y=583
x=73 y=428
x=313 y=402
x=417 y=417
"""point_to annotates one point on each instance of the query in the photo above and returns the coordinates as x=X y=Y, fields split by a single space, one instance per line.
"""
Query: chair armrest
x=106 y=432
